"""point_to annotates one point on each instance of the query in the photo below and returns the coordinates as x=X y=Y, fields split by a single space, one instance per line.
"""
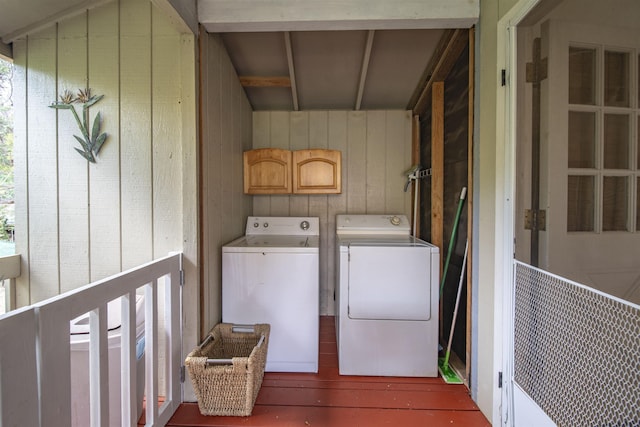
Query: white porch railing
x=9 y=271
x=35 y=368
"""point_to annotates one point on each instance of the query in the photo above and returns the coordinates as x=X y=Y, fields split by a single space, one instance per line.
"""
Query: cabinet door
x=267 y=171
x=317 y=171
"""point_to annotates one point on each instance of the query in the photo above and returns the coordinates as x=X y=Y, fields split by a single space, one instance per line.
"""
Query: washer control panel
x=286 y=226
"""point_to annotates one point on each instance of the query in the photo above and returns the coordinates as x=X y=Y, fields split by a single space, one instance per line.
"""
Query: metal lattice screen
x=576 y=351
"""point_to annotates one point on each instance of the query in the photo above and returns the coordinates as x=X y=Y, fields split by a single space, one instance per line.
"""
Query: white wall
x=78 y=222
x=226 y=133
x=376 y=151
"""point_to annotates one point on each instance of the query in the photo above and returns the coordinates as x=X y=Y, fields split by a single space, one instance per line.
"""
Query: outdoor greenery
x=6 y=149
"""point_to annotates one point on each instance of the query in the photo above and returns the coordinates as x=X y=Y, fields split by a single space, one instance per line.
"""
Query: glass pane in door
x=582 y=76
x=616 y=141
x=582 y=139
x=614 y=203
x=616 y=79
x=580 y=203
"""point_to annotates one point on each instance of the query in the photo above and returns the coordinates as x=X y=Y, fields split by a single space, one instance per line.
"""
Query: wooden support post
x=437 y=167
x=415 y=160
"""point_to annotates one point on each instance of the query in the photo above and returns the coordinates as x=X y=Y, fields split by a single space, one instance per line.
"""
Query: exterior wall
x=376 y=151
x=78 y=222
x=226 y=133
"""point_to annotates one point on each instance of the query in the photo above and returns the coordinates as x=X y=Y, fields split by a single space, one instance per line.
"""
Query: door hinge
x=181 y=277
x=536 y=71
x=535 y=219
x=182 y=373
x=503 y=76
x=499 y=379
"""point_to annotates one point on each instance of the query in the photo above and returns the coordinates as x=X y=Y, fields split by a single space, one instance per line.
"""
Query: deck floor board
x=327 y=399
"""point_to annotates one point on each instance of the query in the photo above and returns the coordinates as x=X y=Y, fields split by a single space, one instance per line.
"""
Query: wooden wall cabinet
x=267 y=171
x=278 y=171
x=317 y=171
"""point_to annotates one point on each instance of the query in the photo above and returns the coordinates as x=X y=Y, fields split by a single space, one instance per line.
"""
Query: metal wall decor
x=91 y=143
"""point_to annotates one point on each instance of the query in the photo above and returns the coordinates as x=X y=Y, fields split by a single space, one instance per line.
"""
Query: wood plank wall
x=76 y=222
x=376 y=152
x=226 y=123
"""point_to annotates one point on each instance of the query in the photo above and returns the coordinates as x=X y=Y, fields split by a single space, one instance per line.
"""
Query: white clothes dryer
x=387 y=298
x=271 y=275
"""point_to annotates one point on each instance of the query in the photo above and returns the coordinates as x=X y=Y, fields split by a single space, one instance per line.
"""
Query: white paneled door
x=590 y=159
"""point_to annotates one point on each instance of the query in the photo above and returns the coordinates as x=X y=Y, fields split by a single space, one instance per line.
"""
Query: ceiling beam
x=310 y=15
x=182 y=13
x=451 y=45
x=259 y=81
x=292 y=70
x=365 y=67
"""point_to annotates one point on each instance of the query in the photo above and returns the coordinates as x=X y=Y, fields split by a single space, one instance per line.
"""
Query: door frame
x=506 y=143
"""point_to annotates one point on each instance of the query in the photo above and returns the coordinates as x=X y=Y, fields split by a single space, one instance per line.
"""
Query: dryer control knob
x=256 y=225
x=304 y=225
x=265 y=225
x=395 y=220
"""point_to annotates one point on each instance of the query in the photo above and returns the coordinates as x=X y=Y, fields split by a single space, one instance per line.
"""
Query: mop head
x=448 y=374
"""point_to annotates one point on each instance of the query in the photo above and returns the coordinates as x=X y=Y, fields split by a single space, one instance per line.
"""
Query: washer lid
x=382 y=240
x=373 y=224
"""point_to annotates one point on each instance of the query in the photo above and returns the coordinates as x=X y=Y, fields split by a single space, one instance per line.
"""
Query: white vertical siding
x=226 y=134
x=166 y=134
x=376 y=151
x=73 y=172
x=78 y=222
x=42 y=164
x=20 y=164
x=135 y=133
x=104 y=178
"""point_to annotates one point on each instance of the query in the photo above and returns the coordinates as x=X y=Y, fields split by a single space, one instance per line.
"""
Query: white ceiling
x=343 y=54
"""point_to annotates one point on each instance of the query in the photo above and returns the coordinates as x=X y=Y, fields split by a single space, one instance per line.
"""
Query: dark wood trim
x=258 y=81
x=451 y=45
x=415 y=160
x=437 y=167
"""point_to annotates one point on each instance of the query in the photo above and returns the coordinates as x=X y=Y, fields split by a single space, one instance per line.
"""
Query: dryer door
x=390 y=282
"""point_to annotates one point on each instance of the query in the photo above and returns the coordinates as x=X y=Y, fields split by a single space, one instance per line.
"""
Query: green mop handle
x=463 y=194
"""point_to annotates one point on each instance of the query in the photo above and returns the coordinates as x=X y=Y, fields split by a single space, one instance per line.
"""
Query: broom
x=448 y=375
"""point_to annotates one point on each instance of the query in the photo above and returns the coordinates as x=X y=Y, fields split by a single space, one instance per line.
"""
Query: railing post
x=10 y=270
x=18 y=381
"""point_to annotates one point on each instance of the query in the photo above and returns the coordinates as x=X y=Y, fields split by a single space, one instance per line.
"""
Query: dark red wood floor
x=328 y=399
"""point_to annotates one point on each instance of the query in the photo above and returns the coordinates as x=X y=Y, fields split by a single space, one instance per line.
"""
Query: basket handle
x=219 y=361
x=205 y=342
x=230 y=361
x=243 y=328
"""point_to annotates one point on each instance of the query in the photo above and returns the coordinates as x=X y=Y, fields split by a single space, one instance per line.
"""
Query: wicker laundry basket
x=227 y=368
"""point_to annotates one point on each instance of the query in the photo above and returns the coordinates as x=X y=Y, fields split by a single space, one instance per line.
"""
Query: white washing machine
x=387 y=298
x=271 y=275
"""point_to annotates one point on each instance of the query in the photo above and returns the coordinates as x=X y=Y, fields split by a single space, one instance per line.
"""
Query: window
x=603 y=140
